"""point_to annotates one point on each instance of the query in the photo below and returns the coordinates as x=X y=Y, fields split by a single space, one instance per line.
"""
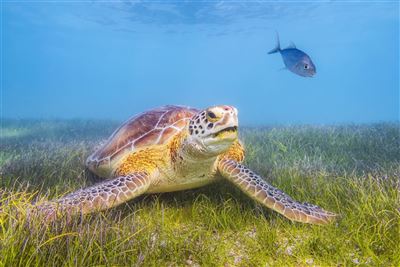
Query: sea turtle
x=175 y=148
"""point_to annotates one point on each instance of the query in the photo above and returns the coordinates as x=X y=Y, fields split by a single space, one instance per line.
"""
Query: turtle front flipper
x=98 y=197
x=257 y=188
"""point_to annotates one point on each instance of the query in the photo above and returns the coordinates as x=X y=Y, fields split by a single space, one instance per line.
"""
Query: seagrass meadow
x=352 y=170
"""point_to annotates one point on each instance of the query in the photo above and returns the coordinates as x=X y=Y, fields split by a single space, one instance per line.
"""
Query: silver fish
x=295 y=60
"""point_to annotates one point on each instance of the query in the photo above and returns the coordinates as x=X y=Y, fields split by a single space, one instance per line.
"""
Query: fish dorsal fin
x=291 y=45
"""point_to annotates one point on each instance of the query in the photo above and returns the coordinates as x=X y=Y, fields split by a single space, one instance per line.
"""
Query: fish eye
x=306 y=66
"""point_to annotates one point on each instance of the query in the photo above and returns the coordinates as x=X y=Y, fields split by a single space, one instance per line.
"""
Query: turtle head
x=214 y=129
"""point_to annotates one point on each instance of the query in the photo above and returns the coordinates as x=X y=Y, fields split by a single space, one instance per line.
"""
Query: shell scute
x=147 y=139
x=167 y=133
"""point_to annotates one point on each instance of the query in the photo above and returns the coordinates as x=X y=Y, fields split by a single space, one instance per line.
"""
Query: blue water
x=88 y=59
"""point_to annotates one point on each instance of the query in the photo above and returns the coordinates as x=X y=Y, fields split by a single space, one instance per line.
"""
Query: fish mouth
x=231 y=129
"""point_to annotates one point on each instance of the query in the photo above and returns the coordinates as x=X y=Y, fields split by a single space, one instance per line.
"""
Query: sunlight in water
x=13 y=132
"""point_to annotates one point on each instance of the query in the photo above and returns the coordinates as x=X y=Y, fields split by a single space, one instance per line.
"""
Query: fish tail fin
x=277 y=47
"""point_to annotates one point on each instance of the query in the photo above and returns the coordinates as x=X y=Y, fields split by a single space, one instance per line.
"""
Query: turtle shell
x=153 y=127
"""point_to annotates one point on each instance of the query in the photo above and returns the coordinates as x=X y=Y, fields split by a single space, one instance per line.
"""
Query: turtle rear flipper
x=257 y=188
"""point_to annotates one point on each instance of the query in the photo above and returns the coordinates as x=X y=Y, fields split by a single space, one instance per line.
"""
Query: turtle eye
x=211 y=115
x=306 y=66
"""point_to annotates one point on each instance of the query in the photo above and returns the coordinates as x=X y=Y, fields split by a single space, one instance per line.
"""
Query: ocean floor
x=352 y=170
